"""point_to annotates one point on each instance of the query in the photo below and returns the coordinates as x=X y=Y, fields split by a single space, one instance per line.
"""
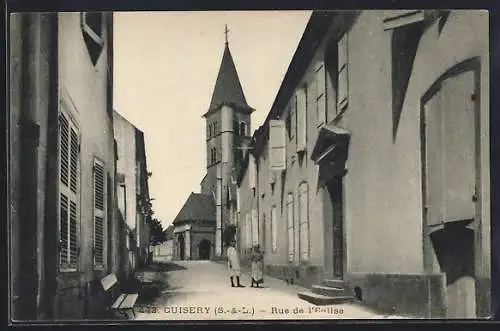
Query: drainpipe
x=51 y=225
x=30 y=133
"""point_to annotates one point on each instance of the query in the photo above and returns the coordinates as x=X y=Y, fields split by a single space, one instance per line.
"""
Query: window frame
x=320 y=96
x=343 y=71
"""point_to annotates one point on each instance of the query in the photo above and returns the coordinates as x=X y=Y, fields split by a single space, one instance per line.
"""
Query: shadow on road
x=154 y=282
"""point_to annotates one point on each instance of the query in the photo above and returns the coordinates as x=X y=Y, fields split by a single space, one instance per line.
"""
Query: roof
x=228 y=88
x=198 y=207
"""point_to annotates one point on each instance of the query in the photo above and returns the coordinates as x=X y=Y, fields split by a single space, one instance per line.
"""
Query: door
x=336 y=193
x=204 y=249
x=450 y=181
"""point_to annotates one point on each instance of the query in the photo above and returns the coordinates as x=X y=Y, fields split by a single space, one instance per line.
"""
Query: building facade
x=133 y=193
x=64 y=236
x=353 y=175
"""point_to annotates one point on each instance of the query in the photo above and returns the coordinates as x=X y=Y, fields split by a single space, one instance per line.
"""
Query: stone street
x=201 y=290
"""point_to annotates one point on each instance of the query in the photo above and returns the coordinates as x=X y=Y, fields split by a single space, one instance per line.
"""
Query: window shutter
x=255 y=227
x=238 y=200
x=293 y=116
x=63 y=229
x=274 y=229
x=320 y=94
x=343 y=87
x=277 y=145
x=399 y=18
x=69 y=160
x=304 y=222
x=290 y=227
x=252 y=173
x=249 y=231
x=301 y=114
x=99 y=213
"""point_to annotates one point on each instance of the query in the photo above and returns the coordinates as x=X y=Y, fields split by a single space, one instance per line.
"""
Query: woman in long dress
x=257 y=266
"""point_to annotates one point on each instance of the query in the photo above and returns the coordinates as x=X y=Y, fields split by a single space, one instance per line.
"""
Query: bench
x=122 y=303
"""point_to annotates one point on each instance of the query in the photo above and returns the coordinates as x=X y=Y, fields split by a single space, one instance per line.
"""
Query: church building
x=228 y=133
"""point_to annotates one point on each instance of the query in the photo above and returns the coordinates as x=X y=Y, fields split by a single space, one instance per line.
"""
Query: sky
x=165 y=67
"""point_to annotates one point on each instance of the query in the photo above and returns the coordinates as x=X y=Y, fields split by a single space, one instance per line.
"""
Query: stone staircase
x=330 y=292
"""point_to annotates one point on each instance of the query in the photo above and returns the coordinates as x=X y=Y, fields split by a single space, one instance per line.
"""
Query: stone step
x=328 y=290
x=337 y=283
x=322 y=300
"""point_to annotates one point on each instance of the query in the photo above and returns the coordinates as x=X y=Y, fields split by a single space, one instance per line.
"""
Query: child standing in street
x=233 y=261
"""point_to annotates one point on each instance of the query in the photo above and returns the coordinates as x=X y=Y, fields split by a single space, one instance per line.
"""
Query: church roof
x=198 y=207
x=228 y=88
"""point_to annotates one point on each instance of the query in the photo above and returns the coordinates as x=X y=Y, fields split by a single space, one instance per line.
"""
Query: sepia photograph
x=249 y=165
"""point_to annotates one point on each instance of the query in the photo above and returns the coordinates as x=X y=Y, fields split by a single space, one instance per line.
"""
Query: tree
x=156 y=232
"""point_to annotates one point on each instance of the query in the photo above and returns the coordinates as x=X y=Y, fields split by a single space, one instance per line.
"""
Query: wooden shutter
x=277 y=145
x=343 y=83
x=274 y=229
x=255 y=227
x=301 y=119
x=69 y=177
x=290 y=227
x=99 y=213
x=252 y=171
x=293 y=117
x=399 y=18
x=304 y=222
x=320 y=94
x=238 y=200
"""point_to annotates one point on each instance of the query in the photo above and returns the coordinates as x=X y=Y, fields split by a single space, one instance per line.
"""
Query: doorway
x=204 y=249
x=450 y=189
x=182 y=247
x=335 y=190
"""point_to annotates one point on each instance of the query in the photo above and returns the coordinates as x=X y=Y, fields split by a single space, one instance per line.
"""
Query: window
x=92 y=27
x=213 y=155
x=304 y=222
x=69 y=178
x=236 y=128
x=243 y=130
x=290 y=227
x=342 y=77
x=209 y=130
x=99 y=213
x=274 y=230
x=301 y=119
x=320 y=94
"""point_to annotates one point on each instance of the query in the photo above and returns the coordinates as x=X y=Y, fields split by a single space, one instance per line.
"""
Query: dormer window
x=92 y=27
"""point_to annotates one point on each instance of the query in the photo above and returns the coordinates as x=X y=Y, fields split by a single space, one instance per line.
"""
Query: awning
x=330 y=139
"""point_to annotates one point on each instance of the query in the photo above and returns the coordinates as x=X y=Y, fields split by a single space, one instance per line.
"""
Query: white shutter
x=301 y=114
x=255 y=227
x=343 y=87
x=69 y=177
x=249 y=231
x=304 y=222
x=290 y=227
x=277 y=145
x=99 y=213
x=238 y=200
x=252 y=173
x=399 y=18
x=274 y=229
x=320 y=94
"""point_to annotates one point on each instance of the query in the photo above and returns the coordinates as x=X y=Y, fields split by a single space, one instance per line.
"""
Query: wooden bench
x=122 y=303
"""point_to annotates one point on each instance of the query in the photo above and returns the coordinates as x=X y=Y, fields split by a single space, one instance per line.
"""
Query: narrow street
x=201 y=290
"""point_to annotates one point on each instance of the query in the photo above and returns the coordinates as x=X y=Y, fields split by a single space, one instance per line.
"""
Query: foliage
x=156 y=232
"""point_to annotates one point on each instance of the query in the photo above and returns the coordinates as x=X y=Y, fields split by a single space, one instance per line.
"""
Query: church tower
x=228 y=131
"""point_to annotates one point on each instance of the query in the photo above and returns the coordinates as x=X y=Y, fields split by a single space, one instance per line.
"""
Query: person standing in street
x=257 y=266
x=233 y=261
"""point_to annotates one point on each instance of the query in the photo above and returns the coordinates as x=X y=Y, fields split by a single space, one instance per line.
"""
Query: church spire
x=228 y=88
